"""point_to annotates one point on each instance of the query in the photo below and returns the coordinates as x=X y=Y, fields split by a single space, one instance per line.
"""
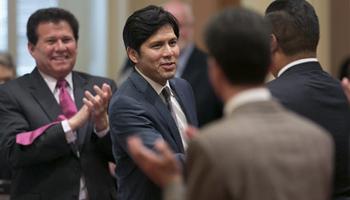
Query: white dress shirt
x=180 y=117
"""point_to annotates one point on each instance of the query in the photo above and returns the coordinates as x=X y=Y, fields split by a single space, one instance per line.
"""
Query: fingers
x=346 y=87
x=191 y=132
x=94 y=104
x=345 y=81
x=164 y=150
x=105 y=92
x=98 y=103
x=144 y=157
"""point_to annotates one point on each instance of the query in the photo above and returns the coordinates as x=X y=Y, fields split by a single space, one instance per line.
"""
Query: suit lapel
x=42 y=94
x=158 y=105
x=80 y=85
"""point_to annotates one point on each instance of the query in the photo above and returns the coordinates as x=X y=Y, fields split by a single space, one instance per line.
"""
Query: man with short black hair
x=151 y=102
x=301 y=84
x=259 y=150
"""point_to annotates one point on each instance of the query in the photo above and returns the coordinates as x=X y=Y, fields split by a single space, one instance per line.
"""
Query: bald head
x=183 y=13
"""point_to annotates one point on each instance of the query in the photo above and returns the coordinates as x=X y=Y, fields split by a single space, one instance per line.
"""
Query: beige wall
x=340 y=34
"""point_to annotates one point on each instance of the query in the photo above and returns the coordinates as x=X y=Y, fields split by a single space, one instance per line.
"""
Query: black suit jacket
x=209 y=107
x=136 y=108
x=48 y=168
x=311 y=92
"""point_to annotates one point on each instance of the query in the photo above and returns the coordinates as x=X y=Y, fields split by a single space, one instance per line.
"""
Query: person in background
x=192 y=65
x=7 y=68
x=259 y=149
x=301 y=84
x=7 y=72
x=151 y=103
x=54 y=128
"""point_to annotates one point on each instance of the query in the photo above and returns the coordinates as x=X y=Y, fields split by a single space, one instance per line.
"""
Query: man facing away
x=54 y=129
x=151 y=102
x=259 y=150
x=192 y=65
x=302 y=86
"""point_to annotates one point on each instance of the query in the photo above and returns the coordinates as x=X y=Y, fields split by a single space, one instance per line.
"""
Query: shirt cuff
x=71 y=136
x=102 y=133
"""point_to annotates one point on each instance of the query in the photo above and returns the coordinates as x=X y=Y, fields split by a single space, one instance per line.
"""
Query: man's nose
x=60 y=45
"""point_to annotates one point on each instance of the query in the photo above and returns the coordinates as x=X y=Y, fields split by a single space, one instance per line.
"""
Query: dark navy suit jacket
x=136 y=108
x=209 y=107
x=313 y=93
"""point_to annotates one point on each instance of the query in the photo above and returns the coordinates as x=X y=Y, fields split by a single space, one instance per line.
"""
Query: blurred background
x=101 y=49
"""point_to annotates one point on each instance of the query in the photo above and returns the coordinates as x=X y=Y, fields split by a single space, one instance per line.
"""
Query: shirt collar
x=247 y=96
x=156 y=86
x=52 y=82
x=296 y=62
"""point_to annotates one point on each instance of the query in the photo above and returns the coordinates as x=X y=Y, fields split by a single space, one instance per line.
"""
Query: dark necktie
x=166 y=94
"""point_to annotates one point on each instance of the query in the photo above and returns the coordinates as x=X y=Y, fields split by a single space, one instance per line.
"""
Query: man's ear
x=132 y=54
x=31 y=48
x=274 y=43
x=215 y=72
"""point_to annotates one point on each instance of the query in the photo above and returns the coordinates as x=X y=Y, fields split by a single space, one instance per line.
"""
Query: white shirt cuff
x=102 y=133
x=71 y=136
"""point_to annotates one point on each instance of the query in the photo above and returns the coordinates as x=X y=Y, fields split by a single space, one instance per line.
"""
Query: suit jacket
x=261 y=151
x=309 y=91
x=136 y=108
x=209 y=107
x=48 y=168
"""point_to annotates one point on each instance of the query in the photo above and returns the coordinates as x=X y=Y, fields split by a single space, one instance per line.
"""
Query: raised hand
x=162 y=167
x=98 y=105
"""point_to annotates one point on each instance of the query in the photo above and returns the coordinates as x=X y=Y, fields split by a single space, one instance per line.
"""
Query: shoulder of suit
x=91 y=77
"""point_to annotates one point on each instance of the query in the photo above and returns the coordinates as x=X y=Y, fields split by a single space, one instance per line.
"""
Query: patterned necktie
x=66 y=102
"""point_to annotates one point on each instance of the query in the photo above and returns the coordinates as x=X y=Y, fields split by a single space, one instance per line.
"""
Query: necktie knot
x=166 y=93
x=66 y=102
x=62 y=84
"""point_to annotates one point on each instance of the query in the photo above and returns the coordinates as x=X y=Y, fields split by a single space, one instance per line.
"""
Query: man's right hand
x=162 y=167
x=79 y=118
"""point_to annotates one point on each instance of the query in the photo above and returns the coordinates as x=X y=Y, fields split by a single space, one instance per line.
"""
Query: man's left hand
x=98 y=105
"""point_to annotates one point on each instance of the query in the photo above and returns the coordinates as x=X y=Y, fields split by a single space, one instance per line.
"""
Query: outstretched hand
x=162 y=167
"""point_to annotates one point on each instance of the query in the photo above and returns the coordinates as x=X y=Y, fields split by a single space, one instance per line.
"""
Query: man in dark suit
x=56 y=151
x=259 y=150
x=7 y=73
x=302 y=86
x=192 y=65
x=151 y=102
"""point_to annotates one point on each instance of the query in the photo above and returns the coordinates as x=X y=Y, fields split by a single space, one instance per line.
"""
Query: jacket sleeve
x=14 y=120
